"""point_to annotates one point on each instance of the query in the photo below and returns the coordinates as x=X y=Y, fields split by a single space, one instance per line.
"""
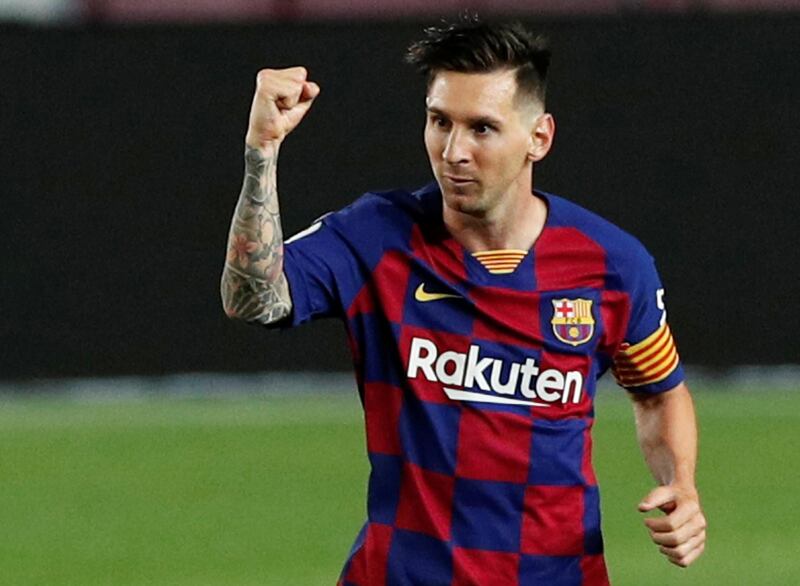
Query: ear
x=544 y=130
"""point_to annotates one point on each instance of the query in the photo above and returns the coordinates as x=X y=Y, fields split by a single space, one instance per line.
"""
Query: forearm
x=253 y=286
x=667 y=433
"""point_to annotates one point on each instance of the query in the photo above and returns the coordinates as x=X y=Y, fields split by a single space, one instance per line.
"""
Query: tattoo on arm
x=253 y=286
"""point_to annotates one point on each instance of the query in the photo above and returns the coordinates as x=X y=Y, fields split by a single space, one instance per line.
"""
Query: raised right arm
x=253 y=286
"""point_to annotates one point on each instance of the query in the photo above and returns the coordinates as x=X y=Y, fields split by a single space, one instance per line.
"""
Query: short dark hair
x=472 y=46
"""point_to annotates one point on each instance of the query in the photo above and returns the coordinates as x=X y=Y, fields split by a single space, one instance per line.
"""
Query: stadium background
x=145 y=439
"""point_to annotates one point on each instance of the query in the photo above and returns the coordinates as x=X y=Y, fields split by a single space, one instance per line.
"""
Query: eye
x=482 y=129
x=438 y=121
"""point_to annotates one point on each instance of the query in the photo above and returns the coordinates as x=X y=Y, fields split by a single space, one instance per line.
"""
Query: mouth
x=457 y=180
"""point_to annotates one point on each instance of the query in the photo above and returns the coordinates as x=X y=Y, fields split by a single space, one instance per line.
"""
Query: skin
x=483 y=139
x=253 y=286
x=667 y=433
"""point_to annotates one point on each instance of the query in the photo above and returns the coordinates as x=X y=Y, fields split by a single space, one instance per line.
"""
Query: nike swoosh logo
x=423 y=296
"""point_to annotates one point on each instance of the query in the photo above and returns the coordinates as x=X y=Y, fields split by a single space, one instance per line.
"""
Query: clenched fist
x=282 y=98
x=681 y=533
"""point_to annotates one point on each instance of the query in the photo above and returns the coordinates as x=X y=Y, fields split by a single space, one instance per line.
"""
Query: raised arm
x=667 y=432
x=253 y=285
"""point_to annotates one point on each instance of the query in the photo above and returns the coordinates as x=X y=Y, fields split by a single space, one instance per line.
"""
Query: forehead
x=455 y=91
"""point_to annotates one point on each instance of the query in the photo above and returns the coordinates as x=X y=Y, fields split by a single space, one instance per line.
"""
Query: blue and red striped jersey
x=478 y=385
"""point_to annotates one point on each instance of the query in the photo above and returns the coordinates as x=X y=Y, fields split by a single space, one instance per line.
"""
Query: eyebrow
x=474 y=120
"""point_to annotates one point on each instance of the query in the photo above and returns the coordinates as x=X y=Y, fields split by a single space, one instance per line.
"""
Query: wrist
x=686 y=487
x=265 y=148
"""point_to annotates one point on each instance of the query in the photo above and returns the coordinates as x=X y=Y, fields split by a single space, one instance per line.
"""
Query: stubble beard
x=462 y=201
x=472 y=200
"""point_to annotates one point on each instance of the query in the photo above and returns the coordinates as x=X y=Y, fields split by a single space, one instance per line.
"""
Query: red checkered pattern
x=382 y=404
x=478 y=409
x=426 y=500
x=505 y=316
x=553 y=521
x=487 y=568
x=566 y=258
x=368 y=566
x=494 y=446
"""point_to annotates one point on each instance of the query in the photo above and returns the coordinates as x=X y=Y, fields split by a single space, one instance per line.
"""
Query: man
x=480 y=313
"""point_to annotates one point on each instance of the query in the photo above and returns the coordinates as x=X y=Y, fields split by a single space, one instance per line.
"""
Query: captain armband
x=647 y=362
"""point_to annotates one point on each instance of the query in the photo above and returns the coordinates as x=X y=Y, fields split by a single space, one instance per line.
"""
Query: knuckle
x=679 y=551
x=671 y=541
x=264 y=75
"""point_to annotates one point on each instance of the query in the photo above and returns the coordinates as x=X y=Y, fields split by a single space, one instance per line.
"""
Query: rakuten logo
x=472 y=371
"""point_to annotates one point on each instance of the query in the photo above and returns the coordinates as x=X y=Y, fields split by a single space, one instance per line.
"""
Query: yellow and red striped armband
x=647 y=362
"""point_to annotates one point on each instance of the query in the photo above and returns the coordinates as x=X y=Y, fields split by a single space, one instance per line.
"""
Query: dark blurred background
x=122 y=129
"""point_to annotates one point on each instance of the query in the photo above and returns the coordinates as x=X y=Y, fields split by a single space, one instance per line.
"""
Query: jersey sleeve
x=320 y=268
x=329 y=262
x=647 y=361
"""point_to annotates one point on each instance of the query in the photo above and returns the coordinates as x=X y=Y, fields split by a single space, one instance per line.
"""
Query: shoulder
x=624 y=252
x=381 y=214
x=394 y=203
x=373 y=224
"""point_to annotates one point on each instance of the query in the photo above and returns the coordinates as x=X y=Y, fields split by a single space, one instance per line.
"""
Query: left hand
x=681 y=532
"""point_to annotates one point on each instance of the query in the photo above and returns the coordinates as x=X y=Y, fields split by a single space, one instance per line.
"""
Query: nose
x=456 y=150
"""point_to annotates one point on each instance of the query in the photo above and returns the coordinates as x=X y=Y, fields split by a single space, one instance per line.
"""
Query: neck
x=515 y=223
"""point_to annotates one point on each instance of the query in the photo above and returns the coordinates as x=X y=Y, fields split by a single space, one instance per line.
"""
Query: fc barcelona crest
x=573 y=322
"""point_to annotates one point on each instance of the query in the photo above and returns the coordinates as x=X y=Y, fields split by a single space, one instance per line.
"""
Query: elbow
x=230 y=311
x=265 y=315
x=231 y=290
x=239 y=311
x=254 y=301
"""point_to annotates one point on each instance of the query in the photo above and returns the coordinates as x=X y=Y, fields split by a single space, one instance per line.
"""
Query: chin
x=463 y=202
